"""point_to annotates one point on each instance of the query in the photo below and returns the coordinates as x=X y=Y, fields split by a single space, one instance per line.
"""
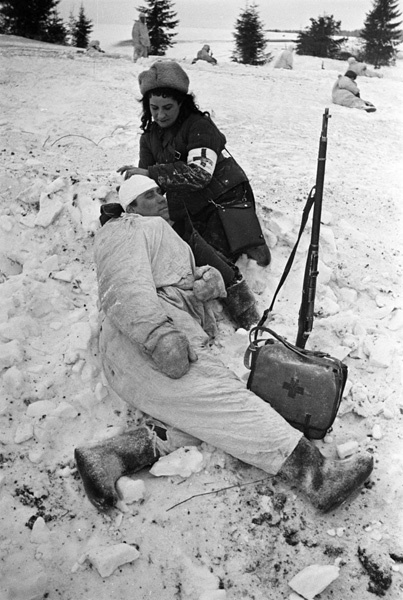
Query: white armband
x=204 y=158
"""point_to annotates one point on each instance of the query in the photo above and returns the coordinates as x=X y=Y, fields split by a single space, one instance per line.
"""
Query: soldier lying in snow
x=360 y=68
x=154 y=344
x=346 y=93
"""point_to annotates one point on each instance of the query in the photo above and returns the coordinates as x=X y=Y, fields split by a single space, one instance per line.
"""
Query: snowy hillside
x=68 y=122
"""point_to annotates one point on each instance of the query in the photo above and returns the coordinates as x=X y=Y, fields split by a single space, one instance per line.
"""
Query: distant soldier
x=140 y=37
x=346 y=93
x=205 y=54
x=94 y=48
x=286 y=59
x=361 y=69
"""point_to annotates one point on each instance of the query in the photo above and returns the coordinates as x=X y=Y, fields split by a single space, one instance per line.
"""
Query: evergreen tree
x=161 y=21
x=32 y=19
x=55 y=30
x=318 y=39
x=381 y=34
x=249 y=37
x=80 y=29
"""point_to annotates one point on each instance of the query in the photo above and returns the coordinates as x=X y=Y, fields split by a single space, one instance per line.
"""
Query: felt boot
x=241 y=305
x=325 y=482
x=102 y=464
x=261 y=254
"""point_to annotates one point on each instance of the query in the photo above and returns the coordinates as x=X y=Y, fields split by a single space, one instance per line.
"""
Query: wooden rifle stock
x=306 y=311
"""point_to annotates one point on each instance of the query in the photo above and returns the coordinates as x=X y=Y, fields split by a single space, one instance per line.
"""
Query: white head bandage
x=133 y=187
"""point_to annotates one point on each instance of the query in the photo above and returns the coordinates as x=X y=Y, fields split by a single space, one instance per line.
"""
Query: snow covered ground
x=226 y=531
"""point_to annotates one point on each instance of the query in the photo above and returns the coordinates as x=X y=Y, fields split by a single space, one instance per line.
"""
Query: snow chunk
x=56 y=185
x=106 y=559
x=64 y=275
x=14 y=382
x=199 y=582
x=131 y=490
x=6 y=223
x=348 y=295
x=40 y=408
x=380 y=351
x=10 y=353
x=24 y=432
x=32 y=584
x=396 y=320
x=50 y=209
x=341 y=352
x=65 y=410
x=347 y=449
x=40 y=532
x=19 y=328
x=377 y=433
x=79 y=336
x=312 y=580
x=184 y=462
x=327 y=242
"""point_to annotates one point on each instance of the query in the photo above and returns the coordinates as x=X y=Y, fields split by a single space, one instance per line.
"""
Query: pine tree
x=380 y=34
x=249 y=37
x=29 y=18
x=160 y=20
x=55 y=30
x=318 y=39
x=80 y=29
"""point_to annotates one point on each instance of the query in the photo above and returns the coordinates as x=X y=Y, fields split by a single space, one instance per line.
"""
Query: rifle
x=305 y=319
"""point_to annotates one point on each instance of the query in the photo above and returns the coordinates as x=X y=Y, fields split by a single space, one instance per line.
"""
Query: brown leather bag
x=304 y=387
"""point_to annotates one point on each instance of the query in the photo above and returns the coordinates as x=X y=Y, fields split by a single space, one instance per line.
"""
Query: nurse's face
x=164 y=111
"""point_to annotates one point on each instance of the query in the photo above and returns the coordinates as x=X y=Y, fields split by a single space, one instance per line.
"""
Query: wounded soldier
x=157 y=324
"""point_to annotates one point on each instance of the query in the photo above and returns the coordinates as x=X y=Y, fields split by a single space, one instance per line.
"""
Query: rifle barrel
x=306 y=311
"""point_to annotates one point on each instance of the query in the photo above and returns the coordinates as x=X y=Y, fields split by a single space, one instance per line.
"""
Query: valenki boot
x=101 y=465
x=325 y=482
x=241 y=305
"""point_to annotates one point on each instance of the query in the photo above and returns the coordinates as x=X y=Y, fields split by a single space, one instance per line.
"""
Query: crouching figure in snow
x=154 y=344
x=346 y=93
x=205 y=54
x=285 y=59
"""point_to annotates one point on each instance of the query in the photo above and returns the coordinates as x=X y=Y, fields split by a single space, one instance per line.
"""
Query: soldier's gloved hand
x=173 y=354
x=208 y=284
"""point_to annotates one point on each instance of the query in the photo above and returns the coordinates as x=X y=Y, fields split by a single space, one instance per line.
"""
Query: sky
x=222 y=14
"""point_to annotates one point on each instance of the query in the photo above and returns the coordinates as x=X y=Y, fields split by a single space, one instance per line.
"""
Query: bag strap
x=309 y=203
x=253 y=345
x=255 y=330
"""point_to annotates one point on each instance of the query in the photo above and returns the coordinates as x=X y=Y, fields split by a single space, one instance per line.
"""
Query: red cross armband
x=205 y=158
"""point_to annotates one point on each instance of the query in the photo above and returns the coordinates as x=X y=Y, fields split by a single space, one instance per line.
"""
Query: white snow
x=68 y=122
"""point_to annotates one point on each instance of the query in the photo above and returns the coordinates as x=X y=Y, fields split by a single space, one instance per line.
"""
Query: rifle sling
x=305 y=214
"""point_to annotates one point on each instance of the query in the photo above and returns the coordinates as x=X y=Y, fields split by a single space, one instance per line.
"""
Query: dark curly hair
x=187 y=102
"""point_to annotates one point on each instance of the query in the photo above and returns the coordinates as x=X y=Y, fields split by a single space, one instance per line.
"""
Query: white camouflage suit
x=145 y=276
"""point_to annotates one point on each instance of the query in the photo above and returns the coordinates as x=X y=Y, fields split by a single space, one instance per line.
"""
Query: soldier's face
x=150 y=204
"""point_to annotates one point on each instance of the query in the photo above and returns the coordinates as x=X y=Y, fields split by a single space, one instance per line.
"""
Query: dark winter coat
x=164 y=153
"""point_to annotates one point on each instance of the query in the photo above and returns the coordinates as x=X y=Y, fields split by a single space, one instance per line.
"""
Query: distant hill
x=343 y=32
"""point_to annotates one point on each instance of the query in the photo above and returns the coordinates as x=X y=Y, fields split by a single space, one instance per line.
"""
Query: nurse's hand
x=129 y=170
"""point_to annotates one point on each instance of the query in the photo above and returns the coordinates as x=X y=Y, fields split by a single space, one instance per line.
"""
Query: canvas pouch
x=303 y=386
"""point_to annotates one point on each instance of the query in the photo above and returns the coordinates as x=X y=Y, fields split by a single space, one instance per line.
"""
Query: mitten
x=209 y=284
x=172 y=354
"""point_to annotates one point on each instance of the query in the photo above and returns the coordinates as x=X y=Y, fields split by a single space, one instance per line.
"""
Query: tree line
x=40 y=20
x=379 y=37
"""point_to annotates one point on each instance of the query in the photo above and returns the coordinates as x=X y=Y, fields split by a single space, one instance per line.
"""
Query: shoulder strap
x=309 y=203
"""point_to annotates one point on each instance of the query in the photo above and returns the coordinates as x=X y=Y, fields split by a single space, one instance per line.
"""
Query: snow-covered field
x=68 y=122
